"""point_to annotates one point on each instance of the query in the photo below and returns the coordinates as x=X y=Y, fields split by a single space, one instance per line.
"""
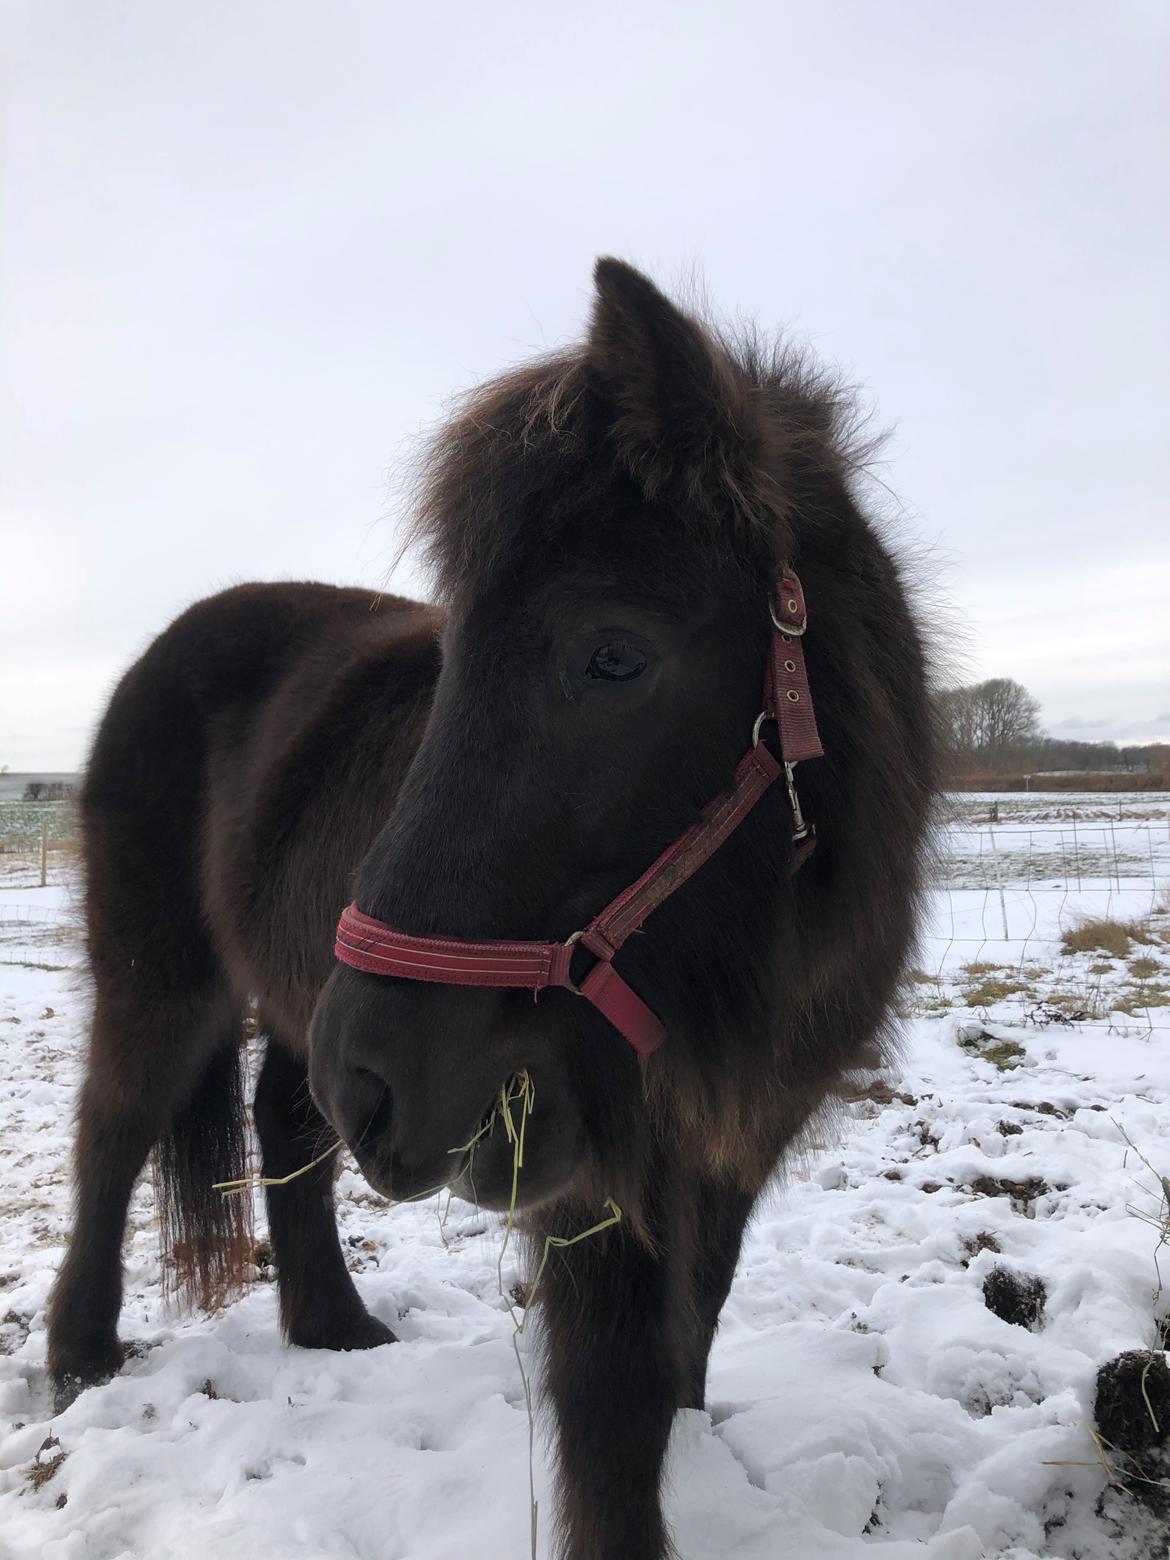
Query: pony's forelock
x=544 y=426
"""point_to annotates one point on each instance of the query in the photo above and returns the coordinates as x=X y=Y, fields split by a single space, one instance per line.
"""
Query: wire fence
x=1014 y=878
x=38 y=843
x=1025 y=884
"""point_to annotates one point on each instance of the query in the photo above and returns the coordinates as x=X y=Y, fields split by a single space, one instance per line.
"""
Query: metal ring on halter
x=574 y=937
x=759 y=726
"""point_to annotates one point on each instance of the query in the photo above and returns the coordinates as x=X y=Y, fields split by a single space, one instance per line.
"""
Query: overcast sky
x=249 y=249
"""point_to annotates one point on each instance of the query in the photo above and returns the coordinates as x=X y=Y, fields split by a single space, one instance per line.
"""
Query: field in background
x=1108 y=780
x=38 y=842
x=872 y=1397
x=39 y=857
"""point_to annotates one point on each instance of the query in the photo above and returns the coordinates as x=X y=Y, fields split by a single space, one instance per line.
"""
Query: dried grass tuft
x=1115 y=938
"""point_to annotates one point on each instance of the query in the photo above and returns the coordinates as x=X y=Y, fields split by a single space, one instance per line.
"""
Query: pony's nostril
x=381 y=1114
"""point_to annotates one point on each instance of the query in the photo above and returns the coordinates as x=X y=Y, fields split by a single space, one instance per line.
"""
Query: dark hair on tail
x=206 y=1237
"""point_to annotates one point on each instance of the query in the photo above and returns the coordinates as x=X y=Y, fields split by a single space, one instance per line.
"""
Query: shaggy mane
x=543 y=426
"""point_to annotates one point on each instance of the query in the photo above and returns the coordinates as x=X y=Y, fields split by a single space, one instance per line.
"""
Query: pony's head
x=606 y=526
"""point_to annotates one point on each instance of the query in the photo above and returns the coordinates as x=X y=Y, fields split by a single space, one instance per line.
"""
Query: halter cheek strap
x=370 y=945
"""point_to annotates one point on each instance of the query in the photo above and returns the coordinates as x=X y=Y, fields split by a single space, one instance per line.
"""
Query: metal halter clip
x=801 y=829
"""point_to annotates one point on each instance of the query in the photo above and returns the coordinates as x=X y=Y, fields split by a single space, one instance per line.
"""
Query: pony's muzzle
x=397 y=1163
x=418 y=1080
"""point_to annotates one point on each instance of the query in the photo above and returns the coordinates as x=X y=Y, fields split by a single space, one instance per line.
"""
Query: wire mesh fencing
x=1053 y=906
x=38 y=843
x=1043 y=908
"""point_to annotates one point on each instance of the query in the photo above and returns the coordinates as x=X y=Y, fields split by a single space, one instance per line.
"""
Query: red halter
x=371 y=945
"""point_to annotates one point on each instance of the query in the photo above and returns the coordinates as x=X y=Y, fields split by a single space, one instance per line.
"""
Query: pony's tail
x=206 y=1237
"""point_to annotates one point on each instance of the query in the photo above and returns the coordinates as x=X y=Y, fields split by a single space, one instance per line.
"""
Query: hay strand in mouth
x=526 y=1095
x=518 y=1088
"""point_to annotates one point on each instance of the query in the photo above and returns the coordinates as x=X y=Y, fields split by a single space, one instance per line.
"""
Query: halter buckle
x=793 y=630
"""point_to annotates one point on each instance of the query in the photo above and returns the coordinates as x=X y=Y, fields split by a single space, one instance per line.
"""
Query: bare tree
x=956 y=708
x=1008 y=718
x=990 y=721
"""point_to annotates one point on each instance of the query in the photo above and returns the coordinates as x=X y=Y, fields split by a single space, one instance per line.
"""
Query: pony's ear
x=678 y=412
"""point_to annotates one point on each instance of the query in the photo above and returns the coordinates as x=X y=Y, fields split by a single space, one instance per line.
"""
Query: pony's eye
x=616 y=663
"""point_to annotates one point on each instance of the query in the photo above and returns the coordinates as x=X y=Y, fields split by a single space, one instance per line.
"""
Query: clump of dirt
x=878 y=1092
x=1017 y=1298
x=983 y=1240
x=922 y=1131
x=13 y=1331
x=1025 y=1191
x=1132 y=1413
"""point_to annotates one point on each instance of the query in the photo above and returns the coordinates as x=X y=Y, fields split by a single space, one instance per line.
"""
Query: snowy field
x=864 y=1400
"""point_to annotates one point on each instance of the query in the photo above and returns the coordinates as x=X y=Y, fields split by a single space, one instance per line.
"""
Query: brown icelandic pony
x=606 y=525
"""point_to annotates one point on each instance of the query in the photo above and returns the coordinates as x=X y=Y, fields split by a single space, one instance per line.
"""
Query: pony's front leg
x=611 y=1372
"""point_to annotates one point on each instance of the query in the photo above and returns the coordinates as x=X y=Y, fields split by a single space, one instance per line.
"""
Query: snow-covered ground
x=863 y=1397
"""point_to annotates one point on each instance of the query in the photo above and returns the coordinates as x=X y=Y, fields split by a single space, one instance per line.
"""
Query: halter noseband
x=372 y=946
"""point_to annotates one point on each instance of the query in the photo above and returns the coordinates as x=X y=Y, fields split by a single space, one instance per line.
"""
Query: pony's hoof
x=80 y=1370
x=359 y=1332
x=369 y=1333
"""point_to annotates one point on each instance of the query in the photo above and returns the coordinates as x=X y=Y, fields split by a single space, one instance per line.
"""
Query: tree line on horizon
x=48 y=791
x=993 y=728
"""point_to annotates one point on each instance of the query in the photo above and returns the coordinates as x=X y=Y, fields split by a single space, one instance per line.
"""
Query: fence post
x=44 y=851
x=999 y=884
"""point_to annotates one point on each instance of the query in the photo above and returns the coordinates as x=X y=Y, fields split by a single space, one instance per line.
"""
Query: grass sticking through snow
x=1105 y=936
x=1003 y=1054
